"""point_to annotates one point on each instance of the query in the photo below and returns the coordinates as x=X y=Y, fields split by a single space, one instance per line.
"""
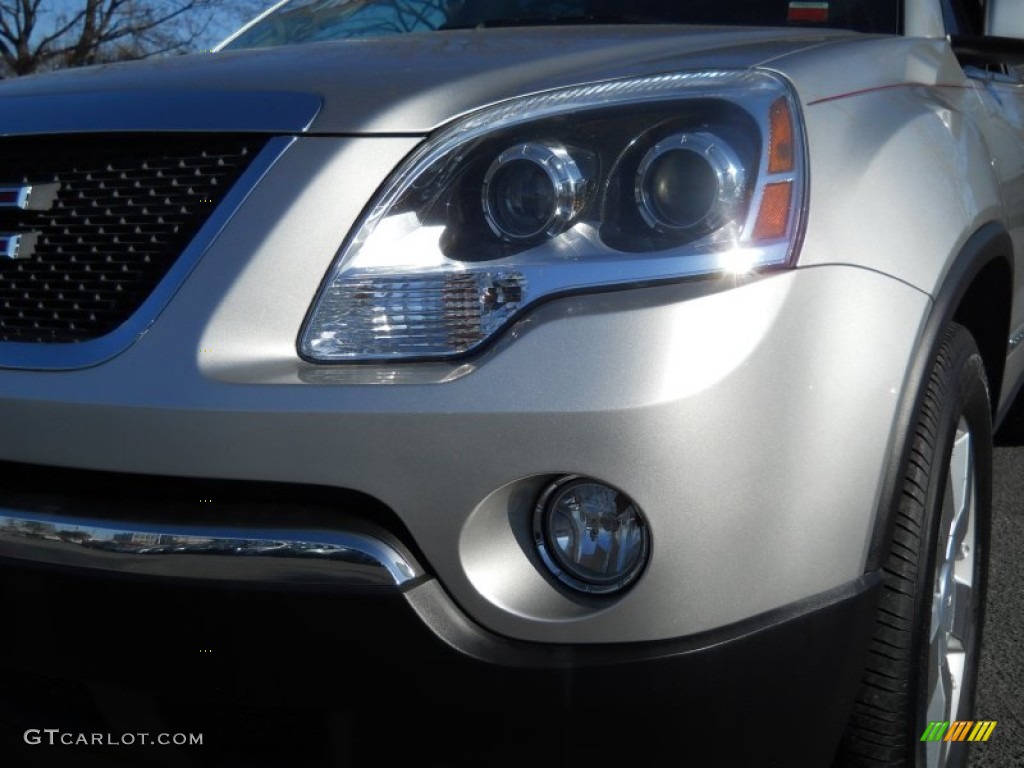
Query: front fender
x=900 y=179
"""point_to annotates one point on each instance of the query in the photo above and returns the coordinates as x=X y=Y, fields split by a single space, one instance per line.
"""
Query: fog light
x=591 y=536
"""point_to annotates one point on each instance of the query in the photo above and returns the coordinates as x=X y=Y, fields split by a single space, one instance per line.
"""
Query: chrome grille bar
x=267 y=555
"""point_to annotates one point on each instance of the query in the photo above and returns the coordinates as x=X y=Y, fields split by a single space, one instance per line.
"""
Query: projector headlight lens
x=690 y=182
x=591 y=536
x=532 y=191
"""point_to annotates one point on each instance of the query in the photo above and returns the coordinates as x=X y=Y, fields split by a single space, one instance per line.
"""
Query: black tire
x=890 y=712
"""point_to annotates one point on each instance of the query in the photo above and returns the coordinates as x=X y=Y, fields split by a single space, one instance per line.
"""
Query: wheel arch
x=976 y=293
x=984 y=310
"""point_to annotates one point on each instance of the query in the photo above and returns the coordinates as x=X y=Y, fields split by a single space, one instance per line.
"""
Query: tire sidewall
x=967 y=396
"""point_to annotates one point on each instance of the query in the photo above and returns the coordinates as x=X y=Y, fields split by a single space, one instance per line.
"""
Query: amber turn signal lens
x=780 y=139
x=773 y=217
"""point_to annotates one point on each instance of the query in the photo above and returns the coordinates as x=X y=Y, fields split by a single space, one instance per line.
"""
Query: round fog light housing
x=592 y=537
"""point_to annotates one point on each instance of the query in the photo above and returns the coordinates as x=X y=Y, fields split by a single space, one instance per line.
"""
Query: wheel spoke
x=950 y=513
x=962 y=613
x=961 y=477
x=942 y=603
x=938 y=711
x=938 y=701
x=961 y=469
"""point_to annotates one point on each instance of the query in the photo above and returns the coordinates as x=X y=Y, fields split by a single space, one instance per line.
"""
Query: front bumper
x=404 y=670
x=751 y=426
x=754 y=447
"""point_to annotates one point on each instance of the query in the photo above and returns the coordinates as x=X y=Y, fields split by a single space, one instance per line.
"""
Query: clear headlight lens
x=627 y=181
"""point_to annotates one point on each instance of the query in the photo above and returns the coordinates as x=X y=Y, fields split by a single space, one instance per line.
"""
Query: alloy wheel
x=951 y=637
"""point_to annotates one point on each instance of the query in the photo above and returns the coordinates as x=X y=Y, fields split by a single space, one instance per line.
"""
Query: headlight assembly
x=616 y=183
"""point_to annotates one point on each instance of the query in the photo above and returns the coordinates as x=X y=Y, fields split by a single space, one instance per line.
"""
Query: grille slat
x=128 y=206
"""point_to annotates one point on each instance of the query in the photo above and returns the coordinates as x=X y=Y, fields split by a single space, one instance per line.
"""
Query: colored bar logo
x=813 y=12
x=14 y=197
x=959 y=730
x=32 y=197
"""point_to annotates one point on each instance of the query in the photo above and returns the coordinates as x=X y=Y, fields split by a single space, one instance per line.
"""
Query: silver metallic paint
x=958 y=139
x=751 y=425
x=411 y=84
x=923 y=18
x=812 y=360
x=1004 y=18
x=998 y=107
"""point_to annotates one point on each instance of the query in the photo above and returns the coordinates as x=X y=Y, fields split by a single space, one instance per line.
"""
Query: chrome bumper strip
x=267 y=555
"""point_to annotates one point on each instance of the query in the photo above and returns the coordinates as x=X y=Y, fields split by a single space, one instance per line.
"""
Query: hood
x=407 y=84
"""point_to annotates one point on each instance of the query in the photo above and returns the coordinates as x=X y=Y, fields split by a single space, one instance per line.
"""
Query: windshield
x=305 y=21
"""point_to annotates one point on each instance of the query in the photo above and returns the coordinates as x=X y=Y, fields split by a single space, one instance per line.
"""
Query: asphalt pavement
x=1001 y=679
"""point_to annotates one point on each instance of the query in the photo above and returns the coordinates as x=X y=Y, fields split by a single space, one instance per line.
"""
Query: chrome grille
x=127 y=205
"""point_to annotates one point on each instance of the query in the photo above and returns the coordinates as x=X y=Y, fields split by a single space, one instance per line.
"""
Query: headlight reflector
x=622 y=182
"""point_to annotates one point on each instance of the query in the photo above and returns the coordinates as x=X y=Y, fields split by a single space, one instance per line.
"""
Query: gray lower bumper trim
x=268 y=555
